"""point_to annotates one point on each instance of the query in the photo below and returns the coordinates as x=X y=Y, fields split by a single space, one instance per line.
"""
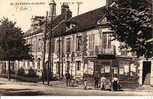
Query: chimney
x=64 y=8
x=65 y=11
x=52 y=6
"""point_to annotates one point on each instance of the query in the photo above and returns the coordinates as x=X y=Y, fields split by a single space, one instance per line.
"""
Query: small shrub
x=12 y=71
x=21 y=72
x=31 y=73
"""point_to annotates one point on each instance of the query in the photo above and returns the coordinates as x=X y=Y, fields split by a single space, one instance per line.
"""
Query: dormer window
x=70 y=26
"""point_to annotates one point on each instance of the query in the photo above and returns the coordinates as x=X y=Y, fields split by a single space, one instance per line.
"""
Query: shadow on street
x=19 y=92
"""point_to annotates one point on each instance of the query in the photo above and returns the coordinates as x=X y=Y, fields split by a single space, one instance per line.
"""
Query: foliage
x=21 y=72
x=31 y=73
x=12 y=43
x=131 y=21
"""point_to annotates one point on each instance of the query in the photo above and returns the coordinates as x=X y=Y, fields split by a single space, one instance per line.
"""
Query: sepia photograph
x=76 y=48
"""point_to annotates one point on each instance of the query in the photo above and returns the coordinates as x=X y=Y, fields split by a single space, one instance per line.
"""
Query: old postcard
x=76 y=48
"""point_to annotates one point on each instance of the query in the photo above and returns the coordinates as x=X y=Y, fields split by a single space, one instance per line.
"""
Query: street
x=13 y=88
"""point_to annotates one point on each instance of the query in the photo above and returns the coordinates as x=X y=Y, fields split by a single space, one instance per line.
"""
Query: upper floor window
x=107 y=38
x=68 y=45
x=91 y=41
x=79 y=43
x=40 y=45
x=34 y=44
x=57 y=45
x=123 y=50
x=78 y=64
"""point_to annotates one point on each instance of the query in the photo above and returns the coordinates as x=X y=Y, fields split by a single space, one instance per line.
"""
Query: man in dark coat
x=115 y=84
x=68 y=79
x=96 y=78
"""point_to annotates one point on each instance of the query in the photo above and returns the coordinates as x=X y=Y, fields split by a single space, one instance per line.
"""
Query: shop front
x=104 y=65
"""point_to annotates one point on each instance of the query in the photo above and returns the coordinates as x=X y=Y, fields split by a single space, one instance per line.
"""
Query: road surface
x=13 y=88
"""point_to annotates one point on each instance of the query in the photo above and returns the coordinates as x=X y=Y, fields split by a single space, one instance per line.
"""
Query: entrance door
x=146 y=72
x=58 y=69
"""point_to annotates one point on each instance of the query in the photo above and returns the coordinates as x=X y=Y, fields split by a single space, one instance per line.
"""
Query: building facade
x=82 y=45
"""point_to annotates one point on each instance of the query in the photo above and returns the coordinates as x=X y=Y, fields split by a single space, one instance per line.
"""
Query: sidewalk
x=146 y=88
x=61 y=84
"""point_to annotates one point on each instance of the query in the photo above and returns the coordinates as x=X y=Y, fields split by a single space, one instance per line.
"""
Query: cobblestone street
x=14 y=88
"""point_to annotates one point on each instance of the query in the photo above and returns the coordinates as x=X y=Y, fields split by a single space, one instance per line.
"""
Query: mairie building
x=82 y=45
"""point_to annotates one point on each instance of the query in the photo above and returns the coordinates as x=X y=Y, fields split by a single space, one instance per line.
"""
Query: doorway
x=146 y=72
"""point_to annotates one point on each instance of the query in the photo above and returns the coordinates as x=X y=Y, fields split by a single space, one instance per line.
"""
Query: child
x=85 y=82
x=102 y=83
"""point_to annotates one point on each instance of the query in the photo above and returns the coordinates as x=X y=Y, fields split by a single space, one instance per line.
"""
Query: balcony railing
x=108 y=51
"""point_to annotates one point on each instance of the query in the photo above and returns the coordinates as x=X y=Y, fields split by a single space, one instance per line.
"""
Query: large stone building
x=82 y=45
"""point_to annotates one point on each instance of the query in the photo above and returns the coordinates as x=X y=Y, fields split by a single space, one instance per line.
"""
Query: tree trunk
x=9 y=76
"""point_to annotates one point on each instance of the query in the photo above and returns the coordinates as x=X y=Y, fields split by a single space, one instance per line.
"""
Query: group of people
x=107 y=84
x=99 y=82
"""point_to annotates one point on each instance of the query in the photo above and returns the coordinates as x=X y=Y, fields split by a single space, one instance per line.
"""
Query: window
x=106 y=40
x=38 y=63
x=68 y=45
x=78 y=64
x=68 y=66
x=79 y=42
x=123 y=52
x=58 y=67
x=57 y=46
x=122 y=49
x=91 y=41
x=40 y=44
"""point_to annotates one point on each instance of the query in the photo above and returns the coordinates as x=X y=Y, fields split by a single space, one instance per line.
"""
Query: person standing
x=68 y=79
x=115 y=83
x=96 y=78
x=102 y=83
x=85 y=82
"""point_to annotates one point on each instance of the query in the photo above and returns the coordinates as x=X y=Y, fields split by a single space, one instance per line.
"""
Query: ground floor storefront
x=126 y=68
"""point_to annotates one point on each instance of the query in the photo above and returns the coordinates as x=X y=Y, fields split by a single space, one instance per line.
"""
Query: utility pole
x=50 y=50
x=62 y=54
x=44 y=50
x=59 y=57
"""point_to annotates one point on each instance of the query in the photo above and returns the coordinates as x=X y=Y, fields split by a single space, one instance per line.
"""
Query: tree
x=131 y=21
x=12 y=43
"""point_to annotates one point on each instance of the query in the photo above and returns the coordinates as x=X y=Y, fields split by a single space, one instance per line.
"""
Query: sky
x=22 y=13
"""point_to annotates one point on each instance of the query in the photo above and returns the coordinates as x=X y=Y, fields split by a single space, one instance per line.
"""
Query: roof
x=83 y=22
x=88 y=20
x=56 y=21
